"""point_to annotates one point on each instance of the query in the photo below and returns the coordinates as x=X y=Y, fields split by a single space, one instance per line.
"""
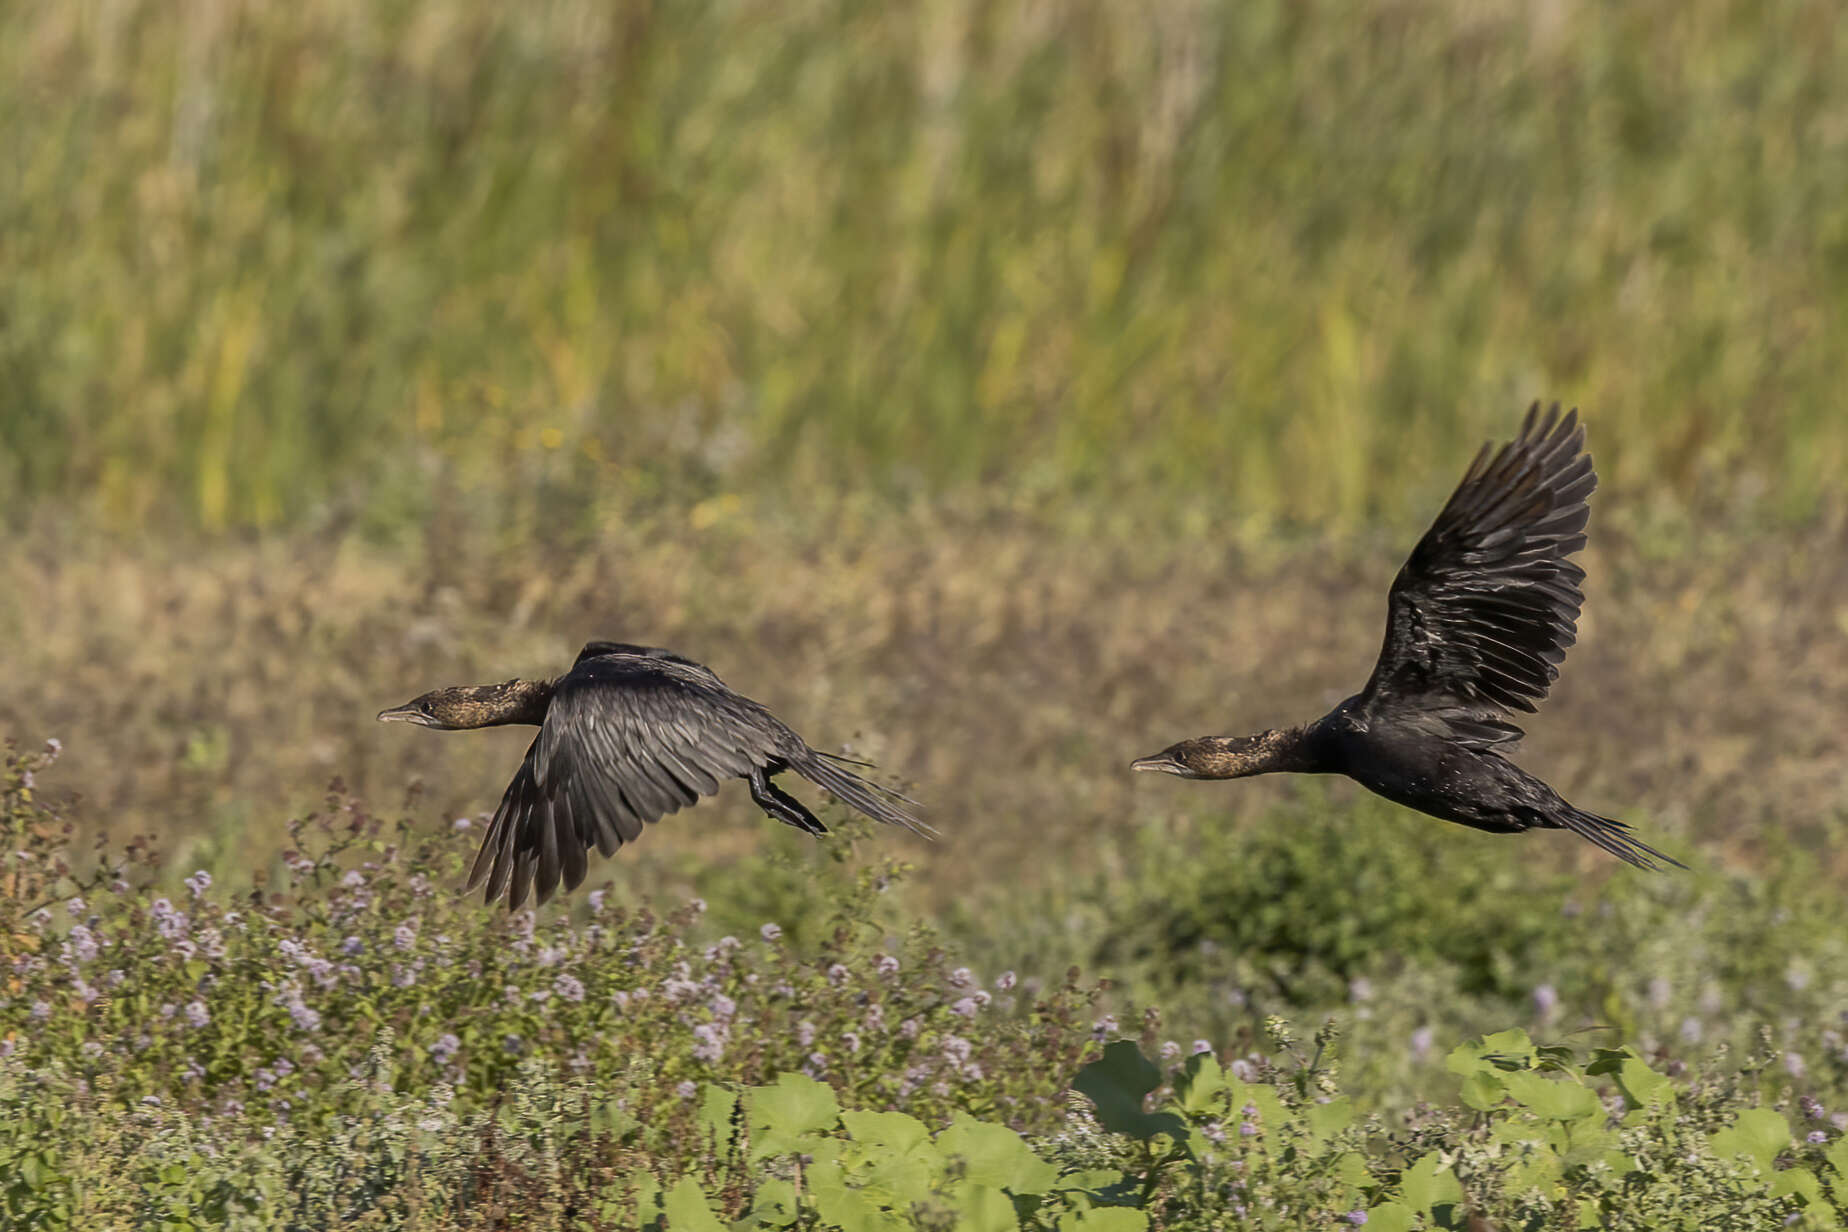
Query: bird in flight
x=1476 y=624
x=627 y=736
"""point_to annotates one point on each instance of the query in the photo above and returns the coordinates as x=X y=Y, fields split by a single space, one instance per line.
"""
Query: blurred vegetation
x=334 y=260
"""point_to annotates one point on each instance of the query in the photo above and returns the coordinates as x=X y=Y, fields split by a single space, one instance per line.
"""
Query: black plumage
x=627 y=736
x=1478 y=621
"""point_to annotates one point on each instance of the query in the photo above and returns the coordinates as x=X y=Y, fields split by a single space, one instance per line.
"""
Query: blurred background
x=1001 y=390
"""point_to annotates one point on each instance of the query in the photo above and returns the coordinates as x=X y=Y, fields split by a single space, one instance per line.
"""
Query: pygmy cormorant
x=628 y=735
x=1476 y=624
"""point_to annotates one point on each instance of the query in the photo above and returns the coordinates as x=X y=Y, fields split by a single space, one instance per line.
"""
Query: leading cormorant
x=1476 y=624
x=627 y=736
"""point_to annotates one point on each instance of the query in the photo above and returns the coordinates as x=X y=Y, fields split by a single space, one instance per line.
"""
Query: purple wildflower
x=196 y=1013
x=1421 y=1042
x=1170 y=1050
x=816 y=1065
x=1794 y=1065
x=445 y=1047
x=805 y=1033
x=404 y=937
x=352 y=945
x=962 y=977
x=1005 y=981
x=965 y=1007
x=353 y=880
x=569 y=987
x=770 y=932
x=850 y=1040
x=1545 y=1002
x=596 y=901
x=686 y=1090
x=83 y=943
x=199 y=882
x=885 y=964
x=712 y=1039
x=75 y=906
x=1200 y=1046
x=722 y=1006
x=1816 y=1137
x=1356 y=1217
x=1104 y=1027
x=957 y=1050
x=837 y=974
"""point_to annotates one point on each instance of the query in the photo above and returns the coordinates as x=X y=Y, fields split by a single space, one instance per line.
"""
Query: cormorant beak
x=406 y=714
x=1161 y=761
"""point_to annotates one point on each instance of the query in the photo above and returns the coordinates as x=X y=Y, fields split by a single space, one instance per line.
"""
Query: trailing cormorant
x=628 y=735
x=1476 y=624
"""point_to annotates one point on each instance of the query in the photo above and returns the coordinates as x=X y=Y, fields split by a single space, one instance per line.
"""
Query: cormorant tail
x=879 y=803
x=1613 y=836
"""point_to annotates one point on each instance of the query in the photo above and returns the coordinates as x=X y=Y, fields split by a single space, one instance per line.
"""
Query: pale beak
x=1161 y=762
x=406 y=714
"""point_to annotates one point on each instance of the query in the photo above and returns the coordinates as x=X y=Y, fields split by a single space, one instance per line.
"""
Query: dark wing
x=627 y=740
x=594 y=650
x=1481 y=614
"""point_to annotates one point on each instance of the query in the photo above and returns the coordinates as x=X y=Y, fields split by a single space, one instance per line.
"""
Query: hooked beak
x=1161 y=762
x=406 y=714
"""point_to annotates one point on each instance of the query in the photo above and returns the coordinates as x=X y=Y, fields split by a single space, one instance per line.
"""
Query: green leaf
x=898 y=1149
x=1552 y=1099
x=687 y=1210
x=1759 y=1133
x=1105 y=1219
x=1117 y=1083
x=1482 y=1090
x=984 y=1208
x=1201 y=1084
x=995 y=1155
x=844 y=1206
x=775 y=1204
x=1391 y=1217
x=1427 y=1185
x=784 y=1115
x=717 y=1106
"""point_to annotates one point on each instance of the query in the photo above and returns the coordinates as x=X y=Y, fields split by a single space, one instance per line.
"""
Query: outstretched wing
x=628 y=739
x=1483 y=611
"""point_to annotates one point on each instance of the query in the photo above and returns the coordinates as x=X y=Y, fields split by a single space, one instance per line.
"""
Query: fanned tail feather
x=878 y=802
x=1613 y=836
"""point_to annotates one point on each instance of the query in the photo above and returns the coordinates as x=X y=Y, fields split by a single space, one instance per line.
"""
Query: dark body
x=1478 y=620
x=629 y=735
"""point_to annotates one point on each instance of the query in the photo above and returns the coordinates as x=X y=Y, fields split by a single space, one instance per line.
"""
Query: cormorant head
x=1222 y=757
x=479 y=705
x=1185 y=760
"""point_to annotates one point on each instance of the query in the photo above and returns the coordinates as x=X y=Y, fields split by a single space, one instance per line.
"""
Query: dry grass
x=1007 y=671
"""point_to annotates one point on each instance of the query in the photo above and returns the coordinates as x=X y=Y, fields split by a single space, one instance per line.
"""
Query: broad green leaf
x=897 y=1150
x=983 y=1208
x=1391 y=1217
x=1758 y=1132
x=687 y=1210
x=1553 y=1099
x=717 y=1106
x=995 y=1155
x=1427 y=1185
x=845 y=1207
x=1798 y=1181
x=1105 y=1219
x=775 y=1204
x=1482 y=1090
x=783 y=1115
x=1201 y=1084
x=1117 y=1083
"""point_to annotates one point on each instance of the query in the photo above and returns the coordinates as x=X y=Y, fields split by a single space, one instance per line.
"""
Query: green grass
x=337 y=260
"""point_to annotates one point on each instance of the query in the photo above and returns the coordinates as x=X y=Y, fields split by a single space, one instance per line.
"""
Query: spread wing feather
x=1486 y=606
x=631 y=735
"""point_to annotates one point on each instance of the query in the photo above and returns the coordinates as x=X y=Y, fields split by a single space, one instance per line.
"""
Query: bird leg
x=781 y=805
